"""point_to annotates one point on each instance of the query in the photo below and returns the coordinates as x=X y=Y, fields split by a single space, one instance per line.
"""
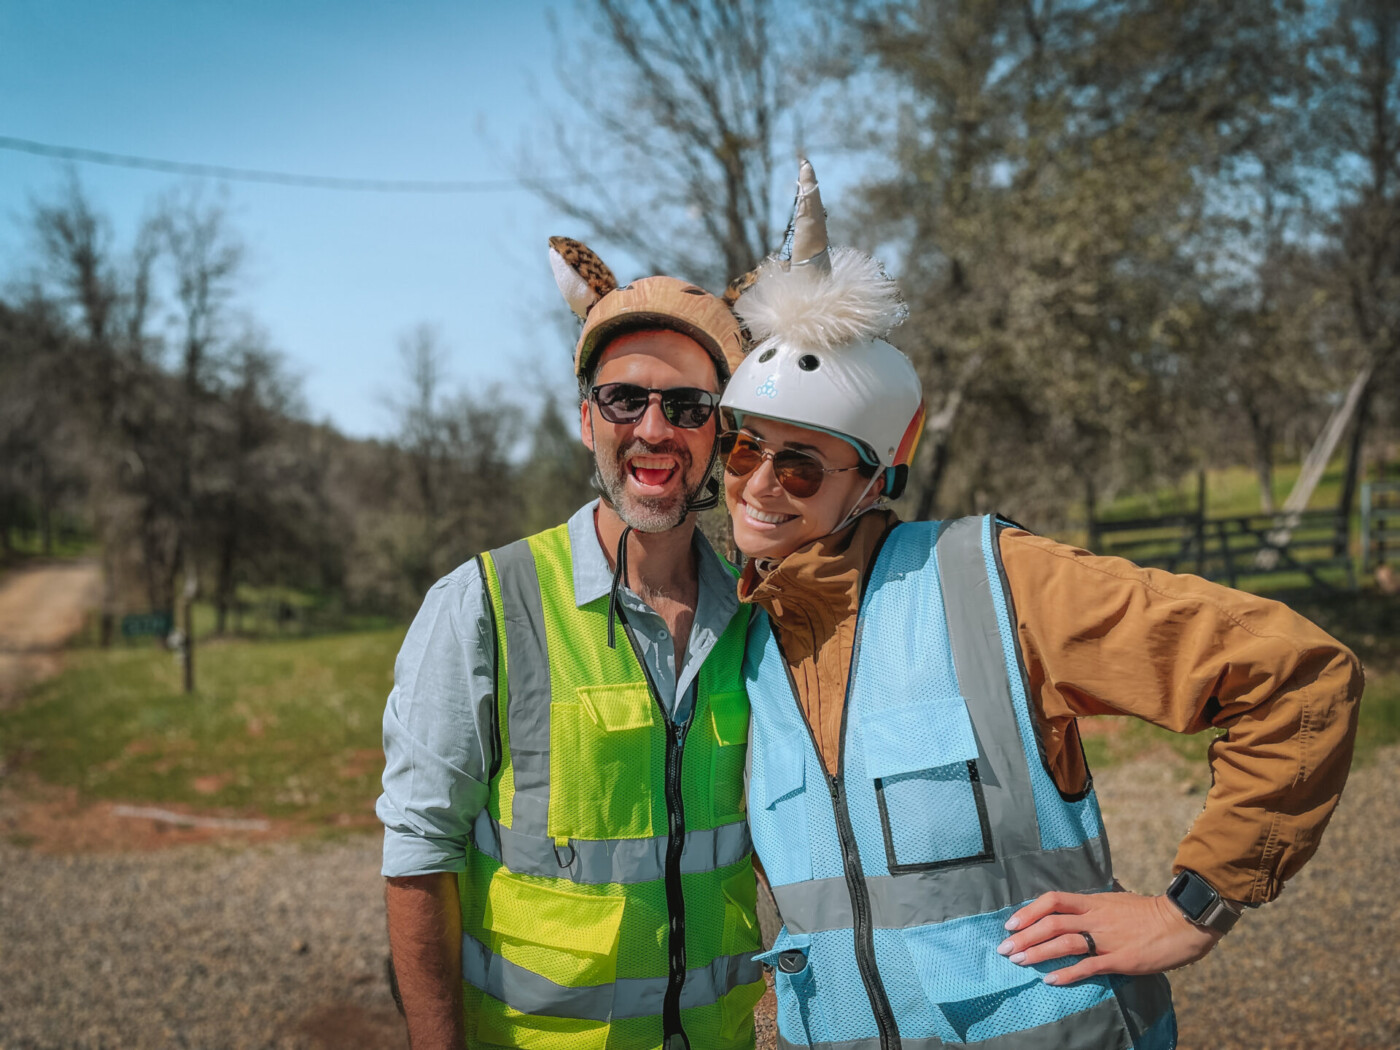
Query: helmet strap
x=853 y=513
x=710 y=486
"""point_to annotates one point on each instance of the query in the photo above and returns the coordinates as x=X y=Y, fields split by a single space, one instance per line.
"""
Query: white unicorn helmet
x=819 y=359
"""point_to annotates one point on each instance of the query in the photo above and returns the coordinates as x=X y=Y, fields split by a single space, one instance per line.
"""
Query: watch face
x=1192 y=894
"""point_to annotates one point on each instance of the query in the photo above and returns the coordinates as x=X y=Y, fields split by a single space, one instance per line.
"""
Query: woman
x=918 y=796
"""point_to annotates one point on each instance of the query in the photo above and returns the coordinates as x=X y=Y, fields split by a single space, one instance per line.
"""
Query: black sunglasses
x=687 y=407
x=800 y=474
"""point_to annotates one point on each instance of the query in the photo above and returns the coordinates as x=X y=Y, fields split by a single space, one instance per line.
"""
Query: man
x=567 y=859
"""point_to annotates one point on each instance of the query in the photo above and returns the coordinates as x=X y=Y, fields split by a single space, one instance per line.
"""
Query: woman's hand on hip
x=1127 y=933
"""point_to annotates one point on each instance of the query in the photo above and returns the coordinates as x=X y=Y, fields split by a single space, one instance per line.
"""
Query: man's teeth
x=767 y=519
x=653 y=462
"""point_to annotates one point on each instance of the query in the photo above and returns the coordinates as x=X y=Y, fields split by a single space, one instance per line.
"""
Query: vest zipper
x=864 y=931
x=673 y=1033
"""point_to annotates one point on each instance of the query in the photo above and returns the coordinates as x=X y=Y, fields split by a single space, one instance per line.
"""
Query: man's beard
x=644 y=513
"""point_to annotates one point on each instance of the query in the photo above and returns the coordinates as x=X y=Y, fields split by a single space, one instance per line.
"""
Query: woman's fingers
x=1047 y=904
x=1132 y=935
x=1039 y=932
x=1055 y=948
x=1089 y=967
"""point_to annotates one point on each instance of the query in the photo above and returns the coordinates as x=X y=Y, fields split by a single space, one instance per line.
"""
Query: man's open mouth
x=652 y=471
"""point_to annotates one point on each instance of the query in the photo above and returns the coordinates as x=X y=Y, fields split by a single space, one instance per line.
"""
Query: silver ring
x=1090 y=946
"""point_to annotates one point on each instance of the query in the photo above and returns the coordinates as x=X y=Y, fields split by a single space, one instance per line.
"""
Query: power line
x=278 y=178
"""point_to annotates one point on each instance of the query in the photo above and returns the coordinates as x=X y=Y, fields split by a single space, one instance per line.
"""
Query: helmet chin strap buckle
x=853 y=514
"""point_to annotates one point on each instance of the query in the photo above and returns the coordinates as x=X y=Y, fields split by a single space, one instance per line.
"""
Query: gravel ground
x=283 y=946
x=1316 y=968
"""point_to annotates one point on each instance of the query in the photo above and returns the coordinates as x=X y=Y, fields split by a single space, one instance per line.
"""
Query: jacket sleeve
x=1101 y=636
x=437 y=730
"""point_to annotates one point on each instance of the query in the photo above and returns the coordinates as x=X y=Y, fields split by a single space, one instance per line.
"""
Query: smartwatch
x=1200 y=903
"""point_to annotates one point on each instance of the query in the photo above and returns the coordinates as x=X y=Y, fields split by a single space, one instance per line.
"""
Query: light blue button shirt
x=437 y=723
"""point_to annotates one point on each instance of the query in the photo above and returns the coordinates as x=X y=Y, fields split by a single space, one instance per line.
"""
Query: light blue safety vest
x=895 y=876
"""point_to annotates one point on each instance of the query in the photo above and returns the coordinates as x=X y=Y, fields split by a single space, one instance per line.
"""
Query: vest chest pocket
x=729 y=721
x=923 y=761
x=600 y=763
x=778 y=804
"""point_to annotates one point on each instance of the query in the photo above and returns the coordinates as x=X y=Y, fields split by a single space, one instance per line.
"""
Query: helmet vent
x=809 y=362
x=767 y=355
x=692 y=290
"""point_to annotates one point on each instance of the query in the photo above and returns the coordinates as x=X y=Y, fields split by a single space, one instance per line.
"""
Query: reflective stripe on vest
x=610 y=860
x=919 y=898
x=626 y=997
x=566 y=922
x=950 y=820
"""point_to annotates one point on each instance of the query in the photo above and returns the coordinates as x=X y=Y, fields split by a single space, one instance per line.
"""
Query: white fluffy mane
x=855 y=302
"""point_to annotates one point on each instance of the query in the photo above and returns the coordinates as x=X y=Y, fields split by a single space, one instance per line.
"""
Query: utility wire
x=279 y=178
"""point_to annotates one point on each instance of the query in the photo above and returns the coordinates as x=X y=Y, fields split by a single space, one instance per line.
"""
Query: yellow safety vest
x=609 y=897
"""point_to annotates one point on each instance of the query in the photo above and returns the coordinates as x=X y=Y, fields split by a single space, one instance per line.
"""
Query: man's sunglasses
x=687 y=407
x=799 y=474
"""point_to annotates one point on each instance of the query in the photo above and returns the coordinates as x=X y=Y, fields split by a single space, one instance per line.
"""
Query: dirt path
x=41 y=608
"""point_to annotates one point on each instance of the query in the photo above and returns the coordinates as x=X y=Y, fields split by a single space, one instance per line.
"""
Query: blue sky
x=359 y=89
x=421 y=89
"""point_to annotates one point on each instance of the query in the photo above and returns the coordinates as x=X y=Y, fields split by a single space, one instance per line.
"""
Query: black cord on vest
x=619 y=581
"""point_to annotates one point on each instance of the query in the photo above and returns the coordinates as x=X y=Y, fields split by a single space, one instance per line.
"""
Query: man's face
x=649 y=469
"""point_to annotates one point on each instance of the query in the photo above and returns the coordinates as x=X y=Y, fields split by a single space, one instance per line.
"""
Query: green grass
x=290 y=728
x=28 y=548
x=1230 y=492
x=286 y=729
x=306 y=614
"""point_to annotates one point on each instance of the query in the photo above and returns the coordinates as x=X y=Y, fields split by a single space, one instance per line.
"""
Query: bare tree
x=1361 y=115
x=116 y=422
x=669 y=142
x=422 y=440
x=260 y=505
x=205 y=259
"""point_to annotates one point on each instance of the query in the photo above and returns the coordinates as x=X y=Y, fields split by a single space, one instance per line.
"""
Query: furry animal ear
x=582 y=277
x=738 y=287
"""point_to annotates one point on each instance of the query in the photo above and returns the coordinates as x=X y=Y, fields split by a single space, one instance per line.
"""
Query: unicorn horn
x=809 y=245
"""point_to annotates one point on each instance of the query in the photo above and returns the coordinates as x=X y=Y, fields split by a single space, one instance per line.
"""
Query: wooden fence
x=1380 y=524
x=1255 y=549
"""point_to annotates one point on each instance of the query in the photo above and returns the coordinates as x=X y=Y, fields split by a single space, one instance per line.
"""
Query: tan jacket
x=1101 y=636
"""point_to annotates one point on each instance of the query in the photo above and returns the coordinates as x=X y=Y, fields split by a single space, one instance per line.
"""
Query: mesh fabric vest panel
x=951 y=822
x=564 y=903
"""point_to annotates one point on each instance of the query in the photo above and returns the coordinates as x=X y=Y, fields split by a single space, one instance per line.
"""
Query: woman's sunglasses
x=687 y=407
x=798 y=473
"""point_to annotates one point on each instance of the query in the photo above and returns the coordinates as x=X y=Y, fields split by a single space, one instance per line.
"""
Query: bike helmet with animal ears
x=591 y=290
x=817 y=321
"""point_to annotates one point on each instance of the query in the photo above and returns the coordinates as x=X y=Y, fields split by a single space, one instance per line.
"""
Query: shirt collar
x=593 y=575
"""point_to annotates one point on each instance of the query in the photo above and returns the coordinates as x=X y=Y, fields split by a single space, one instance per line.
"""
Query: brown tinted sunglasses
x=799 y=474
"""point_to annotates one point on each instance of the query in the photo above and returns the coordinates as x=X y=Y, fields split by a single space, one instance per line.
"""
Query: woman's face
x=769 y=521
